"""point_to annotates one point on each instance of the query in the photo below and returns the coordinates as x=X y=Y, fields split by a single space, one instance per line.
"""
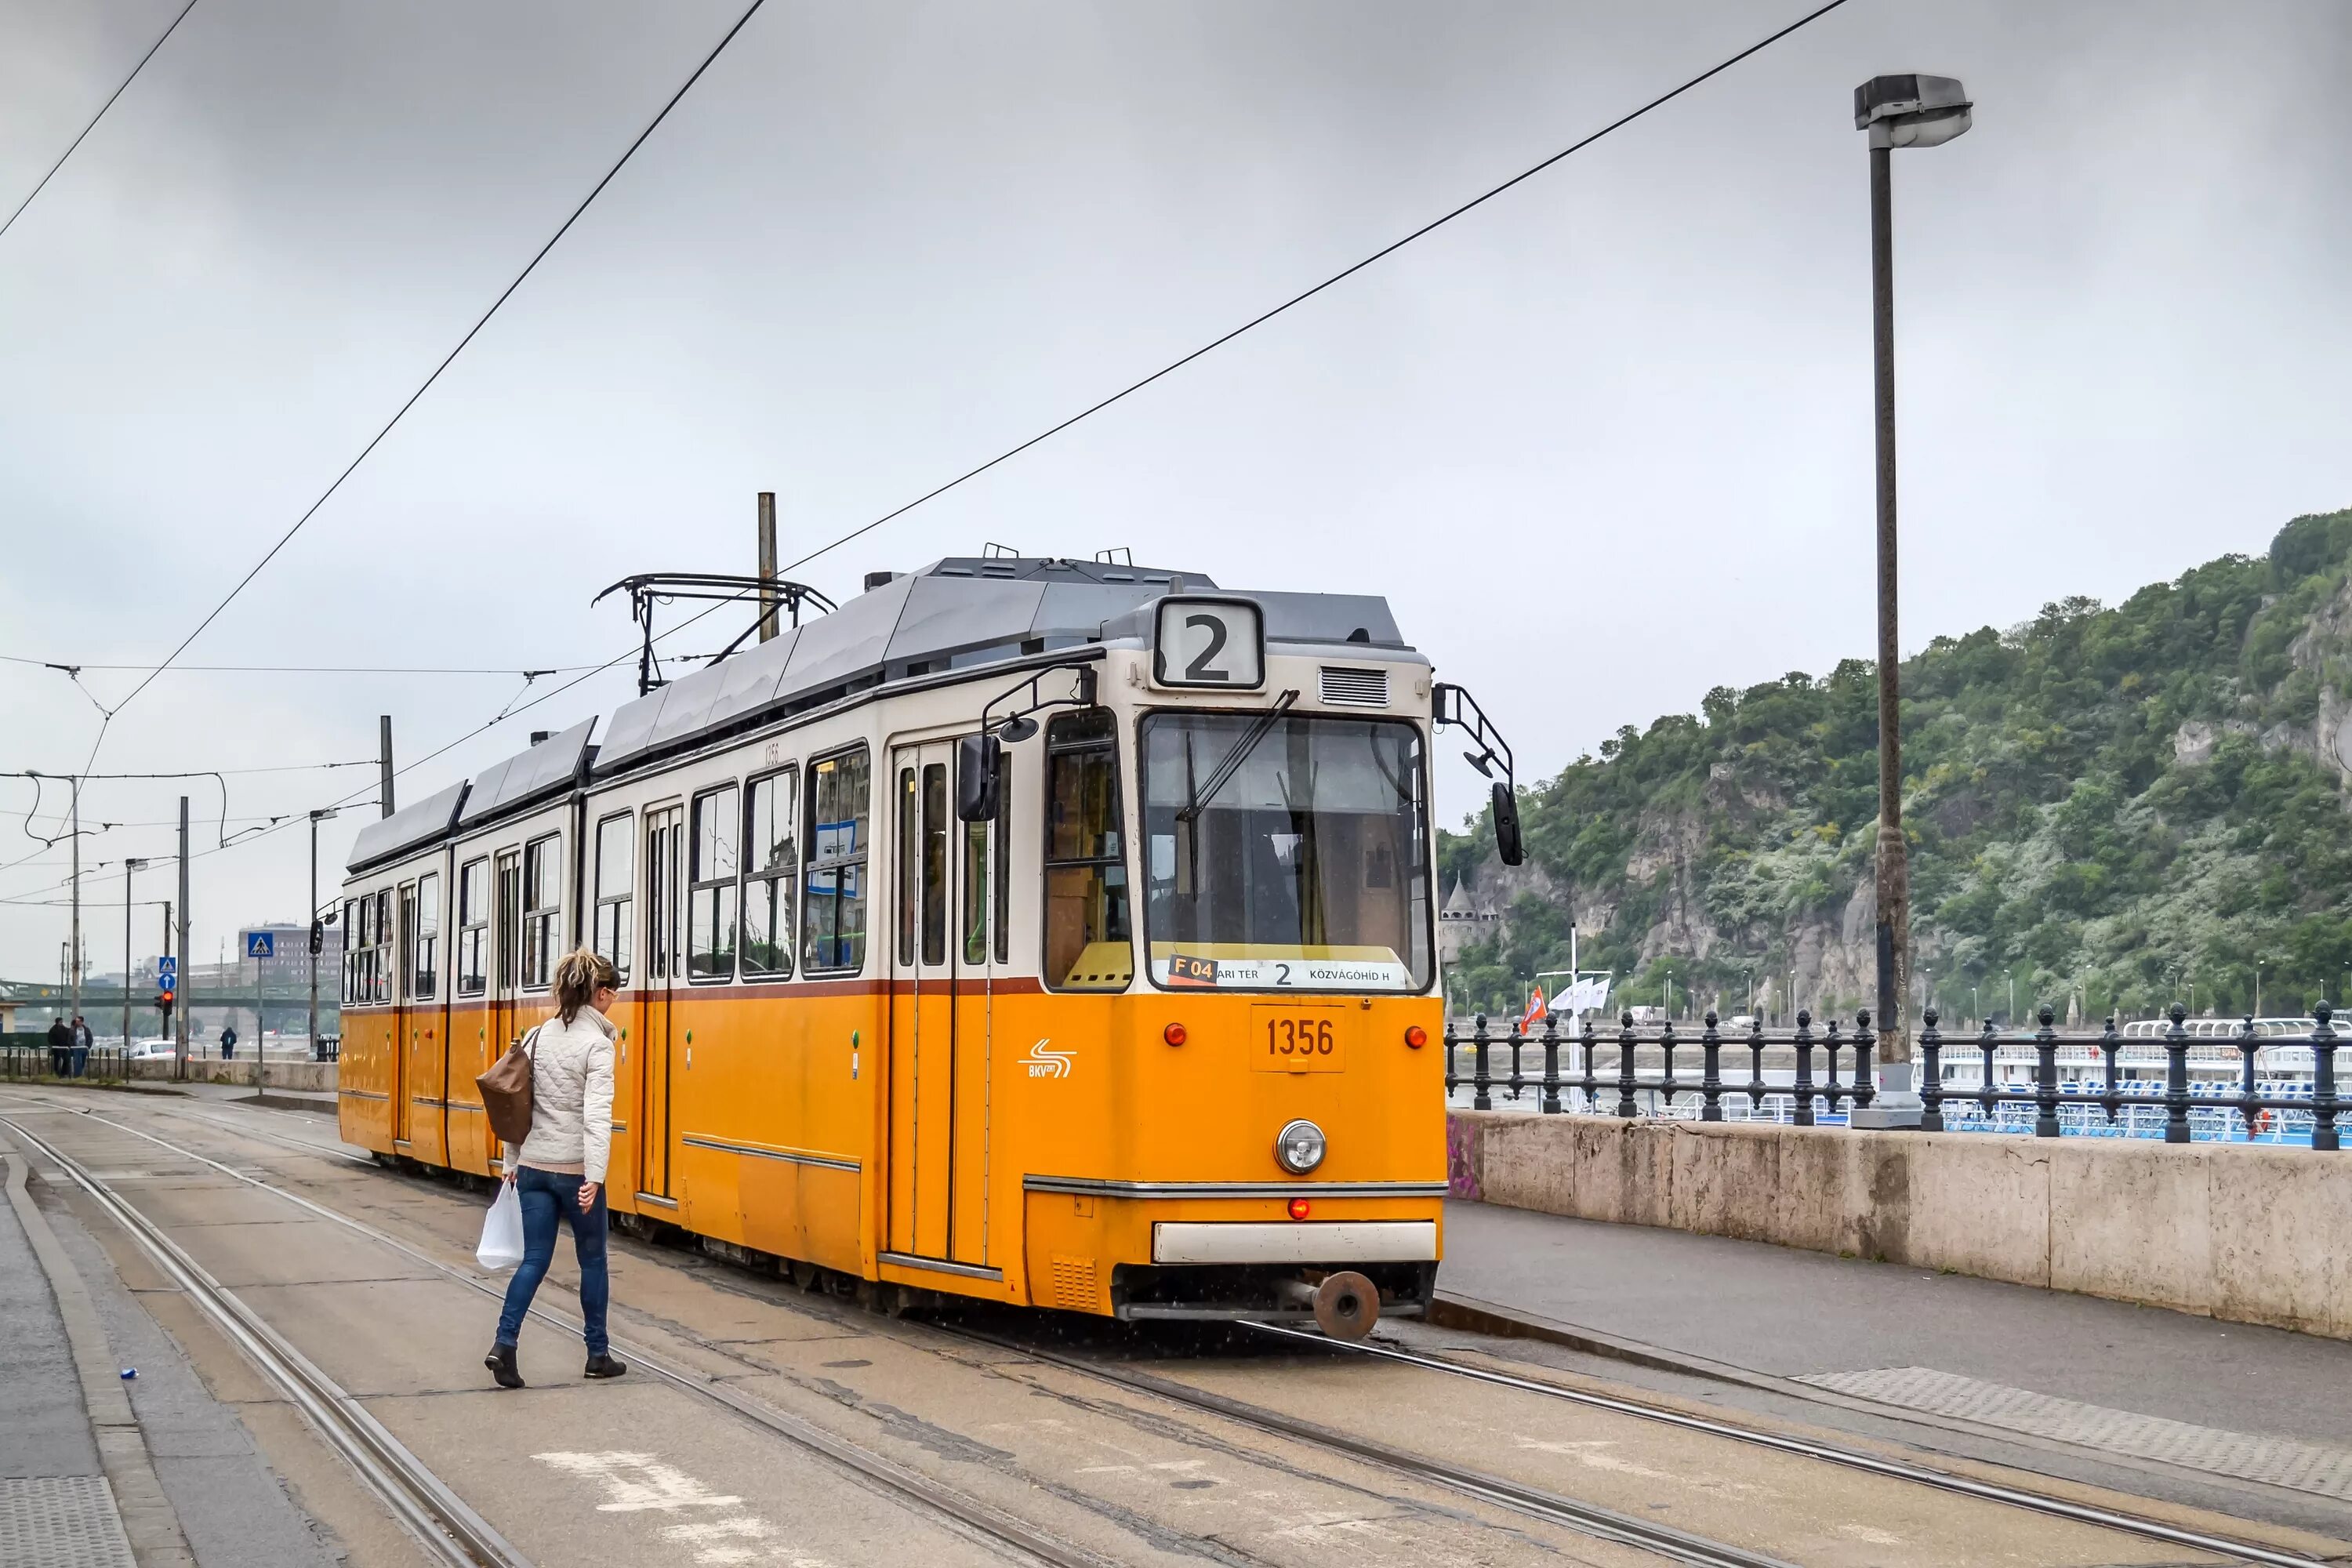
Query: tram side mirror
x=977 y=758
x=1506 y=824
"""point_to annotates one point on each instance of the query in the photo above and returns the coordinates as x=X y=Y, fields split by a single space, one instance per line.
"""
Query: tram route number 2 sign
x=1208 y=643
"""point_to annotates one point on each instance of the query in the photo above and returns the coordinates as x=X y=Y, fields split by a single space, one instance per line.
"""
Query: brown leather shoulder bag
x=506 y=1090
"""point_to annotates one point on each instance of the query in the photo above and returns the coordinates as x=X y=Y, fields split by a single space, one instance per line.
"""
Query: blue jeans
x=548 y=1196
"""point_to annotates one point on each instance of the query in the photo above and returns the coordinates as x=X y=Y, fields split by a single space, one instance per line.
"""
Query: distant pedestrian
x=229 y=1042
x=61 y=1040
x=558 y=1171
x=81 y=1044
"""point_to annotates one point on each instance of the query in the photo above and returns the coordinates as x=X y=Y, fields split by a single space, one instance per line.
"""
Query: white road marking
x=639 y=1483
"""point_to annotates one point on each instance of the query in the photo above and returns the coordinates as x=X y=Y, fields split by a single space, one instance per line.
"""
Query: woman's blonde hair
x=578 y=974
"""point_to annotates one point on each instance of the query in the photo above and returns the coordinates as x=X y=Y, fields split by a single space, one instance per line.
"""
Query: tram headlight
x=1298 y=1147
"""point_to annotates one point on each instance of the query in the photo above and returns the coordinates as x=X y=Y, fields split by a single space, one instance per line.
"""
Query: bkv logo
x=1045 y=1062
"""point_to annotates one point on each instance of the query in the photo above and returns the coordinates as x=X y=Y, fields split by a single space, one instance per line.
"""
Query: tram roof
x=959 y=612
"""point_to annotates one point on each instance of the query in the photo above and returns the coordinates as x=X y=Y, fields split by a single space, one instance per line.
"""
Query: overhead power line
x=1342 y=275
x=94 y=118
x=305 y=668
x=426 y=385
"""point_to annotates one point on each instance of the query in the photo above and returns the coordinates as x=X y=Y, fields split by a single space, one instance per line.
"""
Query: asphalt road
x=639 y=1472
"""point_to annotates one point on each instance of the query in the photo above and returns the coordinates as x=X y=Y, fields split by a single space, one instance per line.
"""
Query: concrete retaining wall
x=2252 y=1234
x=275 y=1075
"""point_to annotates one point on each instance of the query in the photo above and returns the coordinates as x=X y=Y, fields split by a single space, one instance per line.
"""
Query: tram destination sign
x=1217 y=645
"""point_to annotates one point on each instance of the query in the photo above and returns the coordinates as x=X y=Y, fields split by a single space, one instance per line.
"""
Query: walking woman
x=560 y=1169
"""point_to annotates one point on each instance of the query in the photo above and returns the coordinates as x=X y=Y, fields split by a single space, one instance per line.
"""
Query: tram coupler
x=1345 y=1304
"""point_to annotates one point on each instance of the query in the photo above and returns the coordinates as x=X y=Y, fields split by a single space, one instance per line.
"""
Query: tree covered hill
x=2105 y=806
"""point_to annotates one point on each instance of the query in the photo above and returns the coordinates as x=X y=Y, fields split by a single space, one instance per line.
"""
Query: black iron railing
x=1613 y=1064
x=24 y=1063
x=2280 y=1104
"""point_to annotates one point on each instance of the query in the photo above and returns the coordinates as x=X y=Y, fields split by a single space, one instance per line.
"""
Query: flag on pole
x=1535 y=1010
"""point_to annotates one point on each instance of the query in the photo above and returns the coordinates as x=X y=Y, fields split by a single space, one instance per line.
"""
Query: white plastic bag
x=501 y=1245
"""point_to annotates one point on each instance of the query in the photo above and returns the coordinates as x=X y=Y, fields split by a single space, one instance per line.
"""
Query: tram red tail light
x=1416 y=1036
x=1173 y=1034
x=1299 y=1208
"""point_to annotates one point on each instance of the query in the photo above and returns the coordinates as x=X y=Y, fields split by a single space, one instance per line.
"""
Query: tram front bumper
x=1330 y=1242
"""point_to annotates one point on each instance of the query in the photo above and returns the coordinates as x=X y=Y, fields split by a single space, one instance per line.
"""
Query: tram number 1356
x=1292 y=1039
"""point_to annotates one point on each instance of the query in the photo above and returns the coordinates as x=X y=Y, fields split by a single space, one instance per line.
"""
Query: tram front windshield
x=1284 y=853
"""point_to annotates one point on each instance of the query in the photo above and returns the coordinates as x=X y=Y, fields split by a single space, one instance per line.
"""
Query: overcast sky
x=1604 y=444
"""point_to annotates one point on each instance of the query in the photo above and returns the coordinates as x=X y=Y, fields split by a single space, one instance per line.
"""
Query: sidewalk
x=98 y=1470
x=57 y=1504
x=2138 y=1385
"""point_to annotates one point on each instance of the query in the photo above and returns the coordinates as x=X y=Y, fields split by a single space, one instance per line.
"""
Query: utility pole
x=128 y=866
x=73 y=943
x=767 y=565
x=188 y=976
x=383 y=761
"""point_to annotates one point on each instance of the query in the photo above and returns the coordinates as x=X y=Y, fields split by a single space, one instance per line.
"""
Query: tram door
x=404 y=1014
x=938 y=1119
x=664 y=970
x=506 y=969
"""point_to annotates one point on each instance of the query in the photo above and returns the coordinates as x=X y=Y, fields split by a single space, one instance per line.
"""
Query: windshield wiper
x=1230 y=763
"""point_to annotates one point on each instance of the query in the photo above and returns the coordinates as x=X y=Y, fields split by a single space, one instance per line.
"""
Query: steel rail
x=1922 y=1475
x=442 y=1521
x=1001 y=1529
x=1830 y=1453
x=1586 y=1519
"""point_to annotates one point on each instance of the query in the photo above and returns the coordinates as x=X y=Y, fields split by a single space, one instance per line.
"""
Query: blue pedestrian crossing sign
x=167 y=970
x=260 y=944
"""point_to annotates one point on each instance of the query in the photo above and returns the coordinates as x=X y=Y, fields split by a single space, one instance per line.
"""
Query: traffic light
x=163 y=1000
x=317 y=938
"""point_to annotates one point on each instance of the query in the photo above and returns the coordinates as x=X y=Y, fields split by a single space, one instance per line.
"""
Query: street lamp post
x=1908 y=110
x=128 y=866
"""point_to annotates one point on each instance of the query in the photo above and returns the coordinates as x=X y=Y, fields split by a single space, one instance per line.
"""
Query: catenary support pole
x=383 y=761
x=73 y=941
x=187 y=968
x=767 y=565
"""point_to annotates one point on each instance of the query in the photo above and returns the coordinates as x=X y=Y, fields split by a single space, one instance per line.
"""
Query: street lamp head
x=323 y=815
x=1911 y=110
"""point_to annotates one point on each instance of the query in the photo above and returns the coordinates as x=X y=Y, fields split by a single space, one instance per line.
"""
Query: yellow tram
x=1052 y=933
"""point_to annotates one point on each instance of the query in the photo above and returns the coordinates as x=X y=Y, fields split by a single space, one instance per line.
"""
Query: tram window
x=1089 y=944
x=833 y=914
x=615 y=880
x=509 y=902
x=473 y=925
x=425 y=974
x=911 y=859
x=380 y=959
x=1003 y=870
x=1285 y=851
x=710 y=902
x=770 y=858
x=542 y=896
x=935 y=863
x=986 y=888
x=351 y=949
x=406 y=967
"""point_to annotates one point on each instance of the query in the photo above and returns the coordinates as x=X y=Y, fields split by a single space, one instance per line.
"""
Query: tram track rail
x=2233 y=1548
x=1586 y=1519
x=447 y=1527
x=1835 y=1454
x=911 y=1487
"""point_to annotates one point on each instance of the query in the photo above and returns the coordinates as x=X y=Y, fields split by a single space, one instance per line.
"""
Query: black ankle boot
x=604 y=1365
x=501 y=1363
